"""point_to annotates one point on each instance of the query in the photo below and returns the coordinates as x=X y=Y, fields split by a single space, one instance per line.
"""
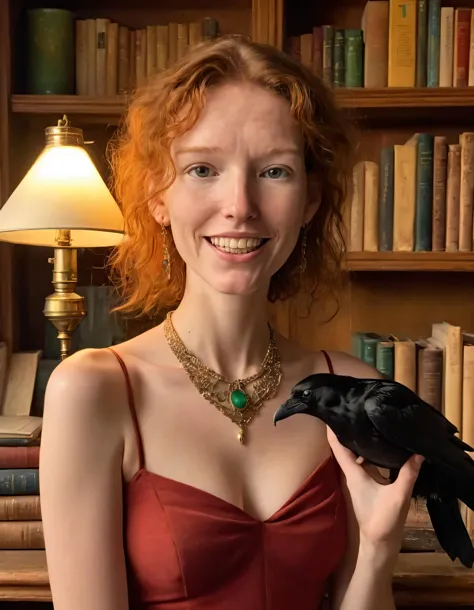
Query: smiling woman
x=299 y=140
x=231 y=170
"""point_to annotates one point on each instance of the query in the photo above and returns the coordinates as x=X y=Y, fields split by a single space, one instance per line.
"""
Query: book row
x=417 y=43
x=112 y=59
x=440 y=369
x=418 y=196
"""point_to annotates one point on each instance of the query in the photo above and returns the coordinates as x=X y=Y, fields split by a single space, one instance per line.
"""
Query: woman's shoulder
x=89 y=370
x=88 y=385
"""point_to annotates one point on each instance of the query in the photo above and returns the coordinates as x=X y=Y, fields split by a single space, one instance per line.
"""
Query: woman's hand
x=380 y=507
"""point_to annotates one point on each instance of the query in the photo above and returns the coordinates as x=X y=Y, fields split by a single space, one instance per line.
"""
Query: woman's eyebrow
x=217 y=149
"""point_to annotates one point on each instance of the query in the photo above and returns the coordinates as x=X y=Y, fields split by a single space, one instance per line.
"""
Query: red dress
x=187 y=549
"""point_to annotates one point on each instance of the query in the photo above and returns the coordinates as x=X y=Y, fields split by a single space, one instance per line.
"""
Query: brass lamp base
x=65 y=308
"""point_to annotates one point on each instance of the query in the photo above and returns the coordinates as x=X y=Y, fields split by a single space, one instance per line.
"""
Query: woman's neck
x=229 y=334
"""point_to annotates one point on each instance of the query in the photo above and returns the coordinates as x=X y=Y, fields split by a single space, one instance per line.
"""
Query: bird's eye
x=307 y=394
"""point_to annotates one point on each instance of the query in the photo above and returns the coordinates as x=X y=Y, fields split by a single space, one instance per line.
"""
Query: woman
x=164 y=483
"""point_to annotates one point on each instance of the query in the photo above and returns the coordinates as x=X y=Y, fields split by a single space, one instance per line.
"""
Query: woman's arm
x=80 y=484
x=376 y=514
x=363 y=580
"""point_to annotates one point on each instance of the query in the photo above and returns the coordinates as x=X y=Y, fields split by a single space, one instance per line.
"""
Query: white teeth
x=236 y=246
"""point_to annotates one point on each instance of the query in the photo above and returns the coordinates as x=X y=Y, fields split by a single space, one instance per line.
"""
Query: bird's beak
x=287 y=409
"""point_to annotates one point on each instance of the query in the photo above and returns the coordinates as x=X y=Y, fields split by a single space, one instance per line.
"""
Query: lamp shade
x=62 y=190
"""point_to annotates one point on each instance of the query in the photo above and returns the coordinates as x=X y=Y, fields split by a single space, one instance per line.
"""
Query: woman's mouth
x=234 y=245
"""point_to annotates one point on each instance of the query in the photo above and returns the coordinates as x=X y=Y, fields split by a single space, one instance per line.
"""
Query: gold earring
x=303 y=251
x=166 y=264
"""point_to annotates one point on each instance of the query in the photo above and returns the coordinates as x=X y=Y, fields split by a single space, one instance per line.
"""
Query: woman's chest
x=188 y=439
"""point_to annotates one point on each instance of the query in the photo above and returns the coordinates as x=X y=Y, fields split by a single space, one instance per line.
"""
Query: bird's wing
x=409 y=422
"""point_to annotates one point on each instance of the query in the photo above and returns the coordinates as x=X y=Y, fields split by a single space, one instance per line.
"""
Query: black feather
x=386 y=423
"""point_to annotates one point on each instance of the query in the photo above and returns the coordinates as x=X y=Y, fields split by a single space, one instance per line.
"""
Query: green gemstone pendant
x=239 y=400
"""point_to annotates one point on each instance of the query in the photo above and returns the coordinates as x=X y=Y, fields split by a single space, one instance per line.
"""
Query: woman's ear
x=156 y=205
x=313 y=198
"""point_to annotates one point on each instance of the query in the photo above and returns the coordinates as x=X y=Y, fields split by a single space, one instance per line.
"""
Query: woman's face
x=240 y=198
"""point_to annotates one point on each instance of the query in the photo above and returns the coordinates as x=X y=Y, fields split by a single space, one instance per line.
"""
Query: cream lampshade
x=62 y=202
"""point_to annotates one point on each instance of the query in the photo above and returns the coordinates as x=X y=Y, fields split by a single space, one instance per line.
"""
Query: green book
x=384 y=360
x=354 y=58
x=339 y=73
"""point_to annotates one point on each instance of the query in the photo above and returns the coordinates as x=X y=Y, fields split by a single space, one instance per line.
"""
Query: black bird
x=386 y=423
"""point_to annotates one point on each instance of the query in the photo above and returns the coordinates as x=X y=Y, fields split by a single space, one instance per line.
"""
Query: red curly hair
x=140 y=157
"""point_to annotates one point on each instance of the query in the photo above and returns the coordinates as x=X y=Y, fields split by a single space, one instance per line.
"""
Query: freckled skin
x=386 y=423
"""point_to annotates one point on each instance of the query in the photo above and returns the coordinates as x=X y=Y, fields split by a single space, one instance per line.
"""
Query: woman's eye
x=277 y=172
x=201 y=171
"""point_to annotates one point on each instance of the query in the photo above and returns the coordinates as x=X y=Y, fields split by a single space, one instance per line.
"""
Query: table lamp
x=62 y=202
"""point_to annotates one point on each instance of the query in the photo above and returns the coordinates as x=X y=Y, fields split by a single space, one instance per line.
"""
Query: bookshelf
x=397 y=292
x=367 y=100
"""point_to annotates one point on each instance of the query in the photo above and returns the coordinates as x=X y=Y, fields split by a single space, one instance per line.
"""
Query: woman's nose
x=240 y=199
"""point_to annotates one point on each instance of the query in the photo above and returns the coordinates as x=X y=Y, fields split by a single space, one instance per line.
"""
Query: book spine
x=421 y=43
x=429 y=376
x=20 y=508
x=434 y=23
x=369 y=350
x=81 y=57
x=150 y=62
x=386 y=199
x=446 y=50
x=318 y=51
x=195 y=33
x=453 y=185
x=111 y=68
x=18 y=535
x=357 y=208
x=338 y=59
x=19 y=457
x=424 y=192
x=440 y=169
x=101 y=56
x=173 y=44
x=19 y=481
x=140 y=57
x=123 y=78
x=91 y=61
x=466 y=193
x=328 y=46
x=402 y=44
x=371 y=192
x=404 y=197
x=384 y=359
x=354 y=60
x=462 y=33
x=306 y=43
x=133 y=61
x=162 y=47
x=376 y=26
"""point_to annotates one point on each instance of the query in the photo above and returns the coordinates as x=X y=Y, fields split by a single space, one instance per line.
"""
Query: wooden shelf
x=404 y=97
x=69 y=104
x=388 y=99
x=410 y=261
x=24 y=576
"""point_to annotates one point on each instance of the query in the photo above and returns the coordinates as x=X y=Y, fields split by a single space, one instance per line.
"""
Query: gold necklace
x=234 y=399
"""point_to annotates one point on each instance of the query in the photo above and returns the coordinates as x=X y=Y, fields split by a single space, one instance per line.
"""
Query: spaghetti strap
x=133 y=412
x=329 y=363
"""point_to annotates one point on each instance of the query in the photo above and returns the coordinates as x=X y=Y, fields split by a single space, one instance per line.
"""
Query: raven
x=386 y=423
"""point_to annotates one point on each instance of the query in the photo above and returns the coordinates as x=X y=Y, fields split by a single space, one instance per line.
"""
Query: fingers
x=408 y=474
x=376 y=474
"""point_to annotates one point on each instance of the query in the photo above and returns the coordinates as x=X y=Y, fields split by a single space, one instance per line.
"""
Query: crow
x=385 y=422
